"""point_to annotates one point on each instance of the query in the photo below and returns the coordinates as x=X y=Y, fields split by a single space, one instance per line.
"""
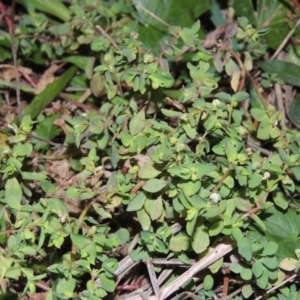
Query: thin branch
x=222 y=179
x=137 y=187
x=176 y=104
x=102 y=31
x=151 y=14
x=210 y=258
x=256 y=147
x=232 y=294
x=280 y=105
x=153 y=278
x=286 y=39
x=42 y=285
x=133 y=242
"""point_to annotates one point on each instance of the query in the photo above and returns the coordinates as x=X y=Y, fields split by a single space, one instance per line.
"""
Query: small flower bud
x=215 y=197
x=266 y=175
x=216 y=102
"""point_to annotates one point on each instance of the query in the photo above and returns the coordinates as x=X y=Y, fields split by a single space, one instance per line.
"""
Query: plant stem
x=76 y=230
x=222 y=179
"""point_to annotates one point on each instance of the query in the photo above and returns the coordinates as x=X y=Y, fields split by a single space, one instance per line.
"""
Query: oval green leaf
x=155 y=185
x=137 y=202
x=148 y=171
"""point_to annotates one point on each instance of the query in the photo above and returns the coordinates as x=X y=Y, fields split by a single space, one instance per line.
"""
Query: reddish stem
x=296 y=4
x=131 y=287
x=7 y=18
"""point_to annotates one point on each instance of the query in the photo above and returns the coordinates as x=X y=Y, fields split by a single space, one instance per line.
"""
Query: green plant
x=171 y=143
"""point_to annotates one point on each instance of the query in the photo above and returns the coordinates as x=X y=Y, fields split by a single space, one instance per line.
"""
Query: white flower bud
x=215 y=197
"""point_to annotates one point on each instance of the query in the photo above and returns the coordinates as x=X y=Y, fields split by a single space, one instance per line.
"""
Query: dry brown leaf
x=38 y=296
x=47 y=78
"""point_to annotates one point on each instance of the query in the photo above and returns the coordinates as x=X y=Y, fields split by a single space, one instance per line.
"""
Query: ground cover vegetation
x=149 y=149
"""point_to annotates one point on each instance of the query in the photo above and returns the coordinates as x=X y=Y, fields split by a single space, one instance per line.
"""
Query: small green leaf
x=13 y=193
x=171 y=113
x=23 y=149
x=236 y=233
x=110 y=265
x=66 y=286
x=148 y=171
x=236 y=268
x=34 y=176
x=190 y=130
x=107 y=283
x=183 y=257
x=270 y=262
x=216 y=266
x=224 y=97
x=123 y=235
x=137 y=202
x=191 y=188
x=257 y=268
x=203 y=169
x=188 y=37
x=101 y=212
x=103 y=139
x=242 y=204
x=126 y=138
x=244 y=248
x=264 y=129
x=283 y=156
x=200 y=239
x=196 y=26
x=179 y=243
x=144 y=219
x=137 y=123
x=216 y=228
x=208 y=282
x=263 y=280
x=258 y=114
x=247 y=290
x=155 y=185
x=255 y=180
x=246 y=274
x=270 y=248
x=280 y=199
x=154 y=208
x=231 y=152
x=240 y=96
x=79 y=240
x=162 y=79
